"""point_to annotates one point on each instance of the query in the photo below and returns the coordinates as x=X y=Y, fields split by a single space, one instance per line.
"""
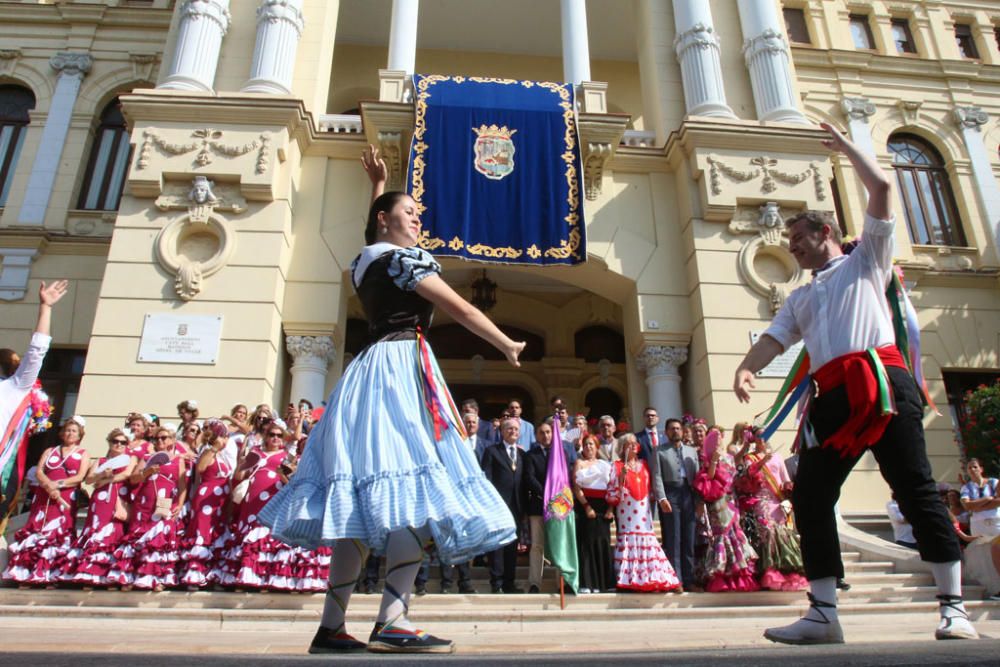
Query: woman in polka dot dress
x=640 y=564
x=39 y=552
x=105 y=527
x=207 y=523
x=252 y=558
x=147 y=558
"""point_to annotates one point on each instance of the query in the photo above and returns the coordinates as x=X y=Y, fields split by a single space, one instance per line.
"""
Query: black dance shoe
x=397 y=640
x=328 y=641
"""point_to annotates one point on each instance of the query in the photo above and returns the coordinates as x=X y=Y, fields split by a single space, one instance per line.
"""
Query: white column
x=279 y=27
x=575 y=43
x=72 y=67
x=312 y=356
x=403 y=35
x=203 y=24
x=766 y=52
x=971 y=120
x=858 y=110
x=697 y=49
x=663 y=382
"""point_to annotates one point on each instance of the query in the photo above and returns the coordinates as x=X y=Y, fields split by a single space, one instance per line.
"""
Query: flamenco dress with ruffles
x=780 y=566
x=206 y=523
x=40 y=550
x=640 y=564
x=90 y=560
x=728 y=562
x=251 y=556
x=147 y=558
x=388 y=452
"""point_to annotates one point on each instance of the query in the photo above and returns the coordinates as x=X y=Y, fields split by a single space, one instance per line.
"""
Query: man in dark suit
x=503 y=465
x=674 y=466
x=650 y=437
x=536 y=467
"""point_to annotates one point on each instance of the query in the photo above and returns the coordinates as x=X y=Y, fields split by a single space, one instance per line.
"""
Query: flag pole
x=562 y=592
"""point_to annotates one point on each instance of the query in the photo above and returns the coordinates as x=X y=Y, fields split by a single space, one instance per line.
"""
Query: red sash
x=868 y=395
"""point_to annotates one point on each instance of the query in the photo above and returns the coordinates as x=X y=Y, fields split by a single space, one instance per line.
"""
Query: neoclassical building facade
x=192 y=167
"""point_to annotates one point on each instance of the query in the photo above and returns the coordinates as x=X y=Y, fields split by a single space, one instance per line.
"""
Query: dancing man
x=387 y=467
x=844 y=319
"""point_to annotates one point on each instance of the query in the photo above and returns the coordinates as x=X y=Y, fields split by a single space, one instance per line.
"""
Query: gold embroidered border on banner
x=568 y=247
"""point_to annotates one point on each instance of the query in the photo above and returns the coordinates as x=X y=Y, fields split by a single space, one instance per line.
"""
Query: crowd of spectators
x=175 y=504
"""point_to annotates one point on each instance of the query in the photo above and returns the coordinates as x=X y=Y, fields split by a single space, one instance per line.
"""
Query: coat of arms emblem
x=494 y=151
x=182 y=330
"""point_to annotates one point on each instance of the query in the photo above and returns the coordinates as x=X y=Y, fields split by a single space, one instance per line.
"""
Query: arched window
x=109 y=157
x=597 y=342
x=928 y=202
x=15 y=103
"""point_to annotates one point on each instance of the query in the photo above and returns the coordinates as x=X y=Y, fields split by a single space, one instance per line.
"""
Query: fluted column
x=203 y=24
x=697 y=49
x=575 y=43
x=858 y=110
x=312 y=356
x=767 y=58
x=663 y=382
x=72 y=67
x=971 y=121
x=403 y=35
x=279 y=28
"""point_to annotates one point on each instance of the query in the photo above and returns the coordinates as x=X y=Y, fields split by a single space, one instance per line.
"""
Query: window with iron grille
x=15 y=103
x=861 y=32
x=966 y=42
x=902 y=36
x=795 y=25
x=928 y=200
x=109 y=158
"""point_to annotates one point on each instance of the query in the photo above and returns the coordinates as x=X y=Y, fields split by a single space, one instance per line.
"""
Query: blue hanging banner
x=495 y=170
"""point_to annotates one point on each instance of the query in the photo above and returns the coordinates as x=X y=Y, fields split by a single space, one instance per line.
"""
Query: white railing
x=339 y=123
x=639 y=139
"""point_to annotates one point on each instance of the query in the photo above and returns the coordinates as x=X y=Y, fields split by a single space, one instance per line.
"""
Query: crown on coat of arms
x=494 y=131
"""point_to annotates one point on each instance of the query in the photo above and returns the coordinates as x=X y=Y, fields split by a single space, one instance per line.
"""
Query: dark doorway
x=493 y=398
x=603 y=401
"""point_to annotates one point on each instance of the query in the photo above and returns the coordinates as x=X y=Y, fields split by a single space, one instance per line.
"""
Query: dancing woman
x=387 y=467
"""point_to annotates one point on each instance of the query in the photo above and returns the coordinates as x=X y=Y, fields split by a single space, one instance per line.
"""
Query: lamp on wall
x=484 y=293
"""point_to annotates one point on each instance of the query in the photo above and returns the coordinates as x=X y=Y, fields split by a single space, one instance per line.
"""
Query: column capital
x=699 y=35
x=857 y=108
x=661 y=359
x=209 y=10
x=70 y=63
x=282 y=10
x=310 y=348
x=769 y=41
x=971 y=118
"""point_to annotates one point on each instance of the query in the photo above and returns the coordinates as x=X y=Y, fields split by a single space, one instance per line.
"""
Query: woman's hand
x=837 y=142
x=609 y=515
x=591 y=514
x=374 y=166
x=150 y=471
x=513 y=351
x=54 y=494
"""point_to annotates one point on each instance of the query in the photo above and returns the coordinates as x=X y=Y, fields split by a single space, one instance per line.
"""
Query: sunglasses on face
x=275 y=435
x=161 y=438
x=119 y=442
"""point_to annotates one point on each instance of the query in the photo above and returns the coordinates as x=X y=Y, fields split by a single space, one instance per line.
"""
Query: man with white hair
x=606 y=438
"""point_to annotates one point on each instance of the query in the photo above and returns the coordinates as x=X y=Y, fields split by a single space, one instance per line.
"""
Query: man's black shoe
x=496 y=589
x=420 y=590
x=533 y=589
x=843 y=585
x=445 y=590
x=466 y=589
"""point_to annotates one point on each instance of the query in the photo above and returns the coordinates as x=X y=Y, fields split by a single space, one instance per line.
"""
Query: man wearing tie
x=649 y=438
x=674 y=468
x=476 y=441
x=503 y=465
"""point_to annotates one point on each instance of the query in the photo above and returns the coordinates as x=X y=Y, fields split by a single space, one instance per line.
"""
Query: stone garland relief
x=764 y=262
x=768 y=168
x=208 y=143
x=199 y=244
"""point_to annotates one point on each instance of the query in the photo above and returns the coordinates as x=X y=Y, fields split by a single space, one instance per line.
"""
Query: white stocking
x=345 y=570
x=404 y=552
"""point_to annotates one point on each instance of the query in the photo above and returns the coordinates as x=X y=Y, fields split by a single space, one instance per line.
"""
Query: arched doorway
x=603 y=401
x=493 y=398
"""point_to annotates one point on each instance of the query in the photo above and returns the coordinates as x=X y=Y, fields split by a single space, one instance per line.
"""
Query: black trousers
x=902 y=459
x=503 y=566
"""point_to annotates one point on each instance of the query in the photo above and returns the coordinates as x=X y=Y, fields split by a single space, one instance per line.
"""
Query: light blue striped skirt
x=372 y=466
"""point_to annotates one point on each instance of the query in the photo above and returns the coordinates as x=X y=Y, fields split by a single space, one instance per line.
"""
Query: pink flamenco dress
x=640 y=564
x=103 y=532
x=728 y=562
x=39 y=553
x=780 y=566
x=251 y=557
x=206 y=524
x=147 y=558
